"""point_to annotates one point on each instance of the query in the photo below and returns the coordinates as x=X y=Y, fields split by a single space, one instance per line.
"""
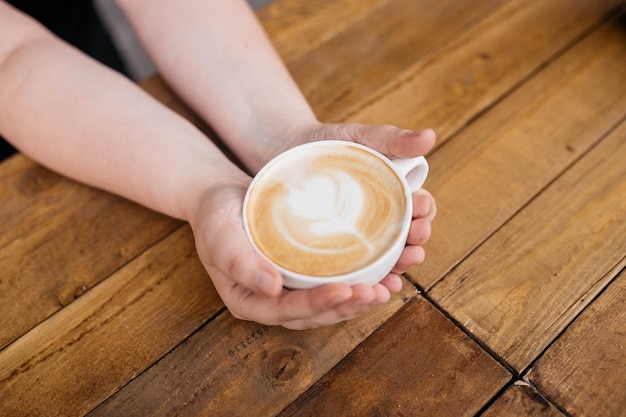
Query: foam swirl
x=326 y=212
x=327 y=206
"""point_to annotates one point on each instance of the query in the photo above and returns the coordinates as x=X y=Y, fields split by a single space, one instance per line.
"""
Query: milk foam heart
x=326 y=205
x=326 y=211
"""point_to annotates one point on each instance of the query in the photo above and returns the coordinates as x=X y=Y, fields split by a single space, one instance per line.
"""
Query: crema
x=326 y=211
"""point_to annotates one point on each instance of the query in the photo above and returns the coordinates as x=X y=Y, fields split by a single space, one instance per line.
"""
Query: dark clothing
x=76 y=22
x=6 y=149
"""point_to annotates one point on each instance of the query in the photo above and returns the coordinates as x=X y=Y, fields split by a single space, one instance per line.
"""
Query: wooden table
x=518 y=310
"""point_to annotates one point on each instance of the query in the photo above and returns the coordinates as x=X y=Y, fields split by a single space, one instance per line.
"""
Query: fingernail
x=264 y=281
x=421 y=132
x=429 y=209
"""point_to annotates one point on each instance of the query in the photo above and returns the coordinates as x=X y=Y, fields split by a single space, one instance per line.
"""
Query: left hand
x=235 y=268
x=394 y=143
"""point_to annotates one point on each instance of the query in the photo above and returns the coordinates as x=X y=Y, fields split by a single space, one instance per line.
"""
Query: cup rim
x=292 y=279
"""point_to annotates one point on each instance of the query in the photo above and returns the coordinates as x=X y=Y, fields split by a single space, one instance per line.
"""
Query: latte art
x=326 y=211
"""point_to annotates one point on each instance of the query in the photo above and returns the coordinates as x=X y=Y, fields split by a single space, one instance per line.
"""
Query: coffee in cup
x=332 y=211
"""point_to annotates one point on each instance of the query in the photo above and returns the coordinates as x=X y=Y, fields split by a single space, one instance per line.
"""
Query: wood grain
x=521 y=400
x=107 y=233
x=417 y=364
x=501 y=161
x=236 y=368
x=107 y=310
x=523 y=286
x=80 y=356
x=31 y=194
x=297 y=26
x=468 y=76
x=346 y=69
x=54 y=264
x=585 y=369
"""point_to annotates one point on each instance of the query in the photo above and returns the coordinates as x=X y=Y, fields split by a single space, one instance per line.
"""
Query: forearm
x=89 y=123
x=219 y=59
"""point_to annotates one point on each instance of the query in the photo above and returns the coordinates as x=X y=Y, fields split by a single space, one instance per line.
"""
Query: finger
x=382 y=295
x=419 y=232
x=363 y=299
x=411 y=256
x=424 y=205
x=389 y=140
x=392 y=282
x=302 y=304
x=290 y=306
x=325 y=318
x=401 y=145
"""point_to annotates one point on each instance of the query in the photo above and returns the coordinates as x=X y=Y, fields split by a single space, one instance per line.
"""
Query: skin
x=89 y=123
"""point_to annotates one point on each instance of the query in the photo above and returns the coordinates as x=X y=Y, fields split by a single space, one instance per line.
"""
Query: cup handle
x=415 y=170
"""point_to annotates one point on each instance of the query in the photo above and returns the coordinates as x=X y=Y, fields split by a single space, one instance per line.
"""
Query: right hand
x=250 y=287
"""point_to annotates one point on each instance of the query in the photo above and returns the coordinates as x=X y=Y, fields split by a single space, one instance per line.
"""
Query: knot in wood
x=287 y=363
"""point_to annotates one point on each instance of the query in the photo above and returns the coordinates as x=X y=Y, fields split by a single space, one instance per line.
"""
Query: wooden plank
x=522 y=400
x=110 y=232
x=62 y=263
x=500 y=162
x=346 y=69
x=427 y=368
x=585 y=369
x=449 y=89
x=524 y=285
x=297 y=26
x=30 y=195
x=248 y=370
x=77 y=358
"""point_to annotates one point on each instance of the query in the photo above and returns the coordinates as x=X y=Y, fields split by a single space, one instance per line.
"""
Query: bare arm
x=90 y=123
x=218 y=58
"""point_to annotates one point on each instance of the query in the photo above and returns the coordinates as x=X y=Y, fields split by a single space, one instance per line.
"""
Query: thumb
x=389 y=140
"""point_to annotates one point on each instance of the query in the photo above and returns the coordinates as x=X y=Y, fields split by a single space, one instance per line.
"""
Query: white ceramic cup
x=293 y=166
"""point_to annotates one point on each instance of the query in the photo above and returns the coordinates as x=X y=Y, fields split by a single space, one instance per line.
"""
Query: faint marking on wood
x=52 y=265
x=240 y=373
x=77 y=358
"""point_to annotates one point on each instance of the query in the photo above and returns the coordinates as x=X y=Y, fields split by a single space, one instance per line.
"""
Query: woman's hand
x=394 y=143
x=252 y=288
